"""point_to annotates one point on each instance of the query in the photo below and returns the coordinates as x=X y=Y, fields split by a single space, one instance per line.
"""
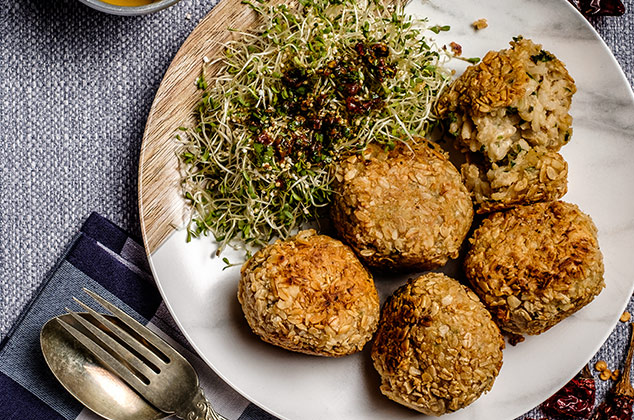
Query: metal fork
x=143 y=360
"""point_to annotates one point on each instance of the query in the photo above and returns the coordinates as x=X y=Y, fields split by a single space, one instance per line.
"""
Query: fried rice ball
x=535 y=265
x=309 y=294
x=404 y=208
x=513 y=101
x=437 y=348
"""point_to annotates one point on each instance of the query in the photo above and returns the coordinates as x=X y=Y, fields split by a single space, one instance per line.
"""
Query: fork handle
x=199 y=409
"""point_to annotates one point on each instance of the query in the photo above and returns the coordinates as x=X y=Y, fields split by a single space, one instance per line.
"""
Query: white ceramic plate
x=202 y=297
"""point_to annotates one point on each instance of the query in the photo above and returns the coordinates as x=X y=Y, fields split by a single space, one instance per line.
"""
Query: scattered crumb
x=480 y=24
x=514 y=339
x=625 y=317
x=456 y=49
x=188 y=16
x=600 y=365
x=206 y=59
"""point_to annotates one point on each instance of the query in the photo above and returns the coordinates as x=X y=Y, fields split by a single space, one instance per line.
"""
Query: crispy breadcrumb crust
x=535 y=265
x=309 y=294
x=437 y=348
x=405 y=208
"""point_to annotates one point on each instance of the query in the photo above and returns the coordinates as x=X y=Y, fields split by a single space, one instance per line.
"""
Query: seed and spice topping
x=600 y=365
x=605 y=374
x=604 y=371
x=616 y=375
x=313 y=83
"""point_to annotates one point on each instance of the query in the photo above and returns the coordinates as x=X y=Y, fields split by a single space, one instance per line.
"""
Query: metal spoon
x=84 y=377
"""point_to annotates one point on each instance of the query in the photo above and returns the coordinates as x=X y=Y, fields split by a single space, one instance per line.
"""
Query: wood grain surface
x=162 y=208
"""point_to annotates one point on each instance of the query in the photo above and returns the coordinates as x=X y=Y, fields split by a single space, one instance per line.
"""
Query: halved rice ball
x=513 y=103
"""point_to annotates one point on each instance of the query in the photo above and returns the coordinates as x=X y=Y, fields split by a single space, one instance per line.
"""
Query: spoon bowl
x=86 y=379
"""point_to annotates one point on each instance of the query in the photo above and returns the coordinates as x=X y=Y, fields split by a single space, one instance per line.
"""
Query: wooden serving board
x=162 y=208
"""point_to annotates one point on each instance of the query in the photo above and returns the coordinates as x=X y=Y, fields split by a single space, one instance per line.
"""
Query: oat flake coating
x=510 y=110
x=535 y=265
x=437 y=348
x=405 y=209
x=309 y=294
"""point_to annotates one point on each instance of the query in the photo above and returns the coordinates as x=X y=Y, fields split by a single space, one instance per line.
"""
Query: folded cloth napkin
x=105 y=259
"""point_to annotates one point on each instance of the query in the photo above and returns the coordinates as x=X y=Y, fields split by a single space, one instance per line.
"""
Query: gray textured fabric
x=76 y=86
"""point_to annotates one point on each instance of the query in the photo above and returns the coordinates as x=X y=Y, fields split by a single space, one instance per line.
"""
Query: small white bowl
x=128 y=10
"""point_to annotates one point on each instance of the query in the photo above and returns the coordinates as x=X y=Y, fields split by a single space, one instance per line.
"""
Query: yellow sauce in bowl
x=129 y=3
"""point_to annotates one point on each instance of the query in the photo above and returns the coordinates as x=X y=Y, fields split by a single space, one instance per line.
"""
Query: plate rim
x=152 y=250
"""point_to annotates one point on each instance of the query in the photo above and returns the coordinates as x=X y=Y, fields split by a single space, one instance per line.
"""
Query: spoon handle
x=199 y=409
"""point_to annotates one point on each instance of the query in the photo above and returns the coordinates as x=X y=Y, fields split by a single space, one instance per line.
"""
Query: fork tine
x=149 y=355
x=152 y=338
x=115 y=347
x=111 y=362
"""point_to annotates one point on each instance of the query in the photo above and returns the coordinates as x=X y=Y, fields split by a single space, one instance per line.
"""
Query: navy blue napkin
x=103 y=258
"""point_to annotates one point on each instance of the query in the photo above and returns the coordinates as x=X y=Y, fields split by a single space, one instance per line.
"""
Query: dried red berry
x=575 y=399
x=599 y=7
x=618 y=404
x=615 y=407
